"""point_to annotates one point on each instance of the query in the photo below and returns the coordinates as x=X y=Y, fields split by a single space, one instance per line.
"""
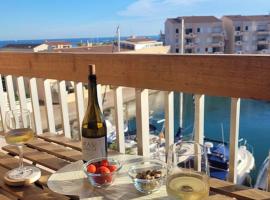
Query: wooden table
x=51 y=153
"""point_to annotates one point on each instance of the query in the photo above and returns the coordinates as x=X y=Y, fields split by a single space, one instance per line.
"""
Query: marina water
x=254 y=121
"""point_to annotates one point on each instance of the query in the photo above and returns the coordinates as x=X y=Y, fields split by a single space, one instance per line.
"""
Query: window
x=188 y=31
x=177 y=30
x=176 y=40
x=198 y=30
x=188 y=41
x=188 y=51
x=238 y=28
x=198 y=50
x=176 y=50
x=246 y=28
x=261 y=47
x=238 y=38
x=206 y=49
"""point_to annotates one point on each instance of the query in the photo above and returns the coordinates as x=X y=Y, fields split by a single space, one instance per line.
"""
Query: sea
x=254 y=114
x=73 y=41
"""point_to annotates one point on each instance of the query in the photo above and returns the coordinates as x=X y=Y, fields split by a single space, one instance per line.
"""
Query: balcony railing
x=190 y=35
x=234 y=76
x=263 y=32
x=218 y=34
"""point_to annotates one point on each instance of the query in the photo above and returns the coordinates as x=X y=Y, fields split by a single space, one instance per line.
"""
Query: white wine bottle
x=94 y=131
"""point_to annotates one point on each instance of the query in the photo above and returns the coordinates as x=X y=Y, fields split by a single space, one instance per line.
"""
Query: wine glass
x=18 y=133
x=188 y=171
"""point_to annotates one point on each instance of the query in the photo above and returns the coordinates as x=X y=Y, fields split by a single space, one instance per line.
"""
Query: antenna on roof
x=117 y=37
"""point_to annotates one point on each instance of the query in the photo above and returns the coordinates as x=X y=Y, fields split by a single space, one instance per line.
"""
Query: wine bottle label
x=93 y=148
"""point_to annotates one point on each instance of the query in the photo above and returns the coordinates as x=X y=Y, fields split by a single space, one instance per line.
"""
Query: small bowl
x=102 y=180
x=144 y=185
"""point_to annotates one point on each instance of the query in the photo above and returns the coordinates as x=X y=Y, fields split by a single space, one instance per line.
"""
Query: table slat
x=10 y=162
x=25 y=192
x=238 y=191
x=38 y=157
x=56 y=150
x=62 y=140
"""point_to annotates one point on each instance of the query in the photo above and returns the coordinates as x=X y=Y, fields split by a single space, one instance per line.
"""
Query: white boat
x=262 y=178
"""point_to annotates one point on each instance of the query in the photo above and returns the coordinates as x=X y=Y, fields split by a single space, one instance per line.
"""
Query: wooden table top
x=54 y=153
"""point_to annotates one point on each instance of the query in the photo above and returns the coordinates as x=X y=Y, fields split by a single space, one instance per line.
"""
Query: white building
x=24 y=47
x=202 y=34
x=58 y=45
x=247 y=34
x=136 y=43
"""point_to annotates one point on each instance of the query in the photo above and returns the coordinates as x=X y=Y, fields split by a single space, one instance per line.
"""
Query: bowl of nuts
x=148 y=175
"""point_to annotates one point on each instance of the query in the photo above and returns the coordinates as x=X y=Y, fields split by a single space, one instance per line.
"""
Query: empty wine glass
x=188 y=171
x=18 y=133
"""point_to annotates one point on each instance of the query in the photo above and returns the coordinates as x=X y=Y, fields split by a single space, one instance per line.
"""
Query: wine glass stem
x=20 y=147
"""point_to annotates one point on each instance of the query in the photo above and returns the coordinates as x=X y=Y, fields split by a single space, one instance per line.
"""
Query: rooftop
x=91 y=49
x=249 y=17
x=57 y=43
x=140 y=39
x=21 y=46
x=195 y=19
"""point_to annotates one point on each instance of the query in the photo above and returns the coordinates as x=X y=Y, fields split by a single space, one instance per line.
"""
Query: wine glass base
x=15 y=177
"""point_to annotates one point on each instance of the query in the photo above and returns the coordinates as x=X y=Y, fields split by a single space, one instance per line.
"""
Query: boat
x=218 y=157
x=262 y=182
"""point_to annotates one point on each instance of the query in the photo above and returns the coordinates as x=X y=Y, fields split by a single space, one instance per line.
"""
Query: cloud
x=144 y=8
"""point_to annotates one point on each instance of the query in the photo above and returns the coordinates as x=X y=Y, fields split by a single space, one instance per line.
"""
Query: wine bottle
x=94 y=131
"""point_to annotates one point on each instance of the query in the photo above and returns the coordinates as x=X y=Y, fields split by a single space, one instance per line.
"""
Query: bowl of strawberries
x=101 y=172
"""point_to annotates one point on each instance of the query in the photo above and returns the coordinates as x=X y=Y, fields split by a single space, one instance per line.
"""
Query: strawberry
x=104 y=163
x=91 y=168
x=103 y=170
x=112 y=168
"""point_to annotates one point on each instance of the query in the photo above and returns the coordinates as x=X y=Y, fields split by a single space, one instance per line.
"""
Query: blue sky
x=45 y=19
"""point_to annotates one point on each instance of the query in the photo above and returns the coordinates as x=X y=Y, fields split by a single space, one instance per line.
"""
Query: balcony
x=190 y=45
x=263 y=41
x=263 y=32
x=238 y=43
x=234 y=76
x=238 y=33
x=264 y=51
x=218 y=34
x=217 y=44
x=190 y=35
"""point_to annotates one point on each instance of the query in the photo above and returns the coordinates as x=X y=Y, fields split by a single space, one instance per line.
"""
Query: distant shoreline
x=73 y=41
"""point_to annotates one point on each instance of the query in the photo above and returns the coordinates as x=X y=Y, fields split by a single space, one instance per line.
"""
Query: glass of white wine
x=188 y=171
x=19 y=132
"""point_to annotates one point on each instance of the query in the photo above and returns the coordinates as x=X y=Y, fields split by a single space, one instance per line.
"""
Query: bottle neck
x=92 y=90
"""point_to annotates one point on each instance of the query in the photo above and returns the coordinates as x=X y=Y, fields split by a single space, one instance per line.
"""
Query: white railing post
x=119 y=119
x=181 y=109
x=169 y=119
x=99 y=95
x=64 y=108
x=234 y=136
x=35 y=105
x=78 y=87
x=198 y=127
x=49 y=106
x=142 y=121
x=2 y=105
x=199 y=118
x=21 y=92
x=10 y=92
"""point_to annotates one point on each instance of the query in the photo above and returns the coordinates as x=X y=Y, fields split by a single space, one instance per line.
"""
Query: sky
x=47 y=19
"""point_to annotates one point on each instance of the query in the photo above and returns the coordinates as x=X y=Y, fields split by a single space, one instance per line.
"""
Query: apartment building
x=247 y=34
x=202 y=34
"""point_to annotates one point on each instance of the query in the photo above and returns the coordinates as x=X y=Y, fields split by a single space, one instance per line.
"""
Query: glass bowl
x=148 y=175
x=102 y=179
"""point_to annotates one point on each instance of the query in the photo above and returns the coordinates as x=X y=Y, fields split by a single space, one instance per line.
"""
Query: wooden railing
x=235 y=76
